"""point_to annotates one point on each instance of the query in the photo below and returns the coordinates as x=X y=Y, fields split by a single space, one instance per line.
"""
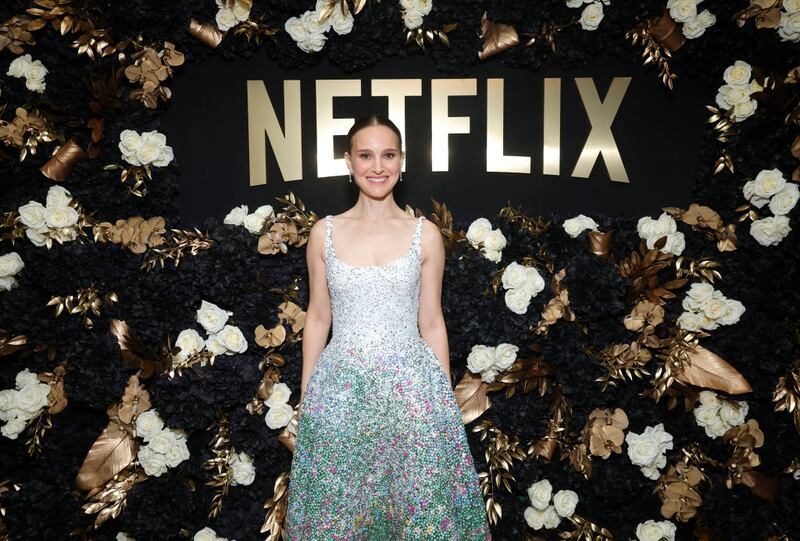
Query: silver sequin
x=381 y=451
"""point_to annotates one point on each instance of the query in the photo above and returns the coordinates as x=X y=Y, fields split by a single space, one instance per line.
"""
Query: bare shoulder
x=431 y=238
x=316 y=238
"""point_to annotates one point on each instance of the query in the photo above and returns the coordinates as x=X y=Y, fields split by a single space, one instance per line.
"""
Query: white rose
x=494 y=240
x=8 y=399
x=675 y=244
x=489 y=374
x=539 y=494
x=36 y=236
x=706 y=18
x=61 y=216
x=310 y=20
x=534 y=517
x=714 y=308
x=35 y=70
x=122 y=536
x=514 y=275
x=698 y=293
x=32 y=215
x=412 y=18
x=294 y=27
x=791 y=6
x=717 y=428
x=177 y=453
x=279 y=416
x=789 y=27
x=749 y=191
x=226 y=19
x=574 y=3
x=591 y=16
x=492 y=255
x=244 y=472
x=161 y=441
x=664 y=225
x=342 y=24
x=738 y=74
x=232 y=339
x=313 y=43
x=733 y=311
x=575 y=226
x=693 y=28
x=241 y=11
x=265 y=211
x=682 y=10
x=656 y=531
x=280 y=395
x=254 y=223
x=709 y=398
x=645 y=227
x=535 y=283
x=211 y=317
x=731 y=414
x=153 y=463
x=478 y=230
x=32 y=398
x=480 y=358
x=505 y=355
x=551 y=518
x=35 y=85
x=707 y=323
x=236 y=215
x=517 y=300
x=744 y=110
x=706 y=414
x=58 y=197
x=13 y=428
x=165 y=156
x=690 y=321
x=423 y=6
x=770 y=230
x=19 y=66
x=206 y=534
x=148 y=151
x=214 y=345
x=10 y=264
x=731 y=95
x=129 y=141
x=7 y=283
x=768 y=182
x=565 y=502
x=785 y=200
x=148 y=424
x=648 y=448
x=190 y=342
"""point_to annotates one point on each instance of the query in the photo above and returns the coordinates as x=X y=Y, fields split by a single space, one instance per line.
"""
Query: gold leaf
x=471 y=397
x=110 y=454
x=708 y=370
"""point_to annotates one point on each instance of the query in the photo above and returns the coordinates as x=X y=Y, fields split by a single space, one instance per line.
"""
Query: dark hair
x=375 y=119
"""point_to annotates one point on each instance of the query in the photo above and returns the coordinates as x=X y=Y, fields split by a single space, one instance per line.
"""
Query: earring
x=350 y=175
x=401 y=177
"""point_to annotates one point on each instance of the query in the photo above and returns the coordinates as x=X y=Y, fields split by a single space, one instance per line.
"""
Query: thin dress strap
x=328 y=237
x=415 y=242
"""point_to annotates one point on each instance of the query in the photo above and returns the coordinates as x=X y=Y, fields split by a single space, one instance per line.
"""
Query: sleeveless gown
x=381 y=451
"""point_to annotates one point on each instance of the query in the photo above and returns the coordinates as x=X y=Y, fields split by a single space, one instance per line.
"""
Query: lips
x=378 y=180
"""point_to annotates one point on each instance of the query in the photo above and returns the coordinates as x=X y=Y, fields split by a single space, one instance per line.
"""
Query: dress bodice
x=374 y=303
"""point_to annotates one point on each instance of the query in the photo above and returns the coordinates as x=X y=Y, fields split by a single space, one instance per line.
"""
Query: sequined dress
x=381 y=451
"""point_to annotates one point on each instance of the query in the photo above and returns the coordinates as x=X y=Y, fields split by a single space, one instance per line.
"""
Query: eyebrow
x=370 y=150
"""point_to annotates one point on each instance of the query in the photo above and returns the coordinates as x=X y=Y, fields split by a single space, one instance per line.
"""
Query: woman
x=381 y=452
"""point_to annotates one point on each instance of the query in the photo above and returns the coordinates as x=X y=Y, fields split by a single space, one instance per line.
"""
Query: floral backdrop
x=620 y=377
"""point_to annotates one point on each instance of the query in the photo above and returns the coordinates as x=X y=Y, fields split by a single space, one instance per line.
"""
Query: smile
x=377 y=179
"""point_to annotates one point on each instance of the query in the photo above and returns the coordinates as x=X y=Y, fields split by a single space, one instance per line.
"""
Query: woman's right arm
x=318 y=313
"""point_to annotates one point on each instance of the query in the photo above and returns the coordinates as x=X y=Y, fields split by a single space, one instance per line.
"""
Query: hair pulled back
x=374 y=119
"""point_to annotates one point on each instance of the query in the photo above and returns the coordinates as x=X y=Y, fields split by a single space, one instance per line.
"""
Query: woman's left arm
x=431 y=321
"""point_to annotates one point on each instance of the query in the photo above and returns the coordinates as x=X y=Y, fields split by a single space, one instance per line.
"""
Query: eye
x=363 y=156
x=390 y=154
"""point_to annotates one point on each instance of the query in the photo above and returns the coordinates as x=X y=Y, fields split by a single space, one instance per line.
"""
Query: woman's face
x=375 y=160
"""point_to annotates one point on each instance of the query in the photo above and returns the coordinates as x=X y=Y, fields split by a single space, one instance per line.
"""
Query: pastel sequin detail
x=381 y=451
